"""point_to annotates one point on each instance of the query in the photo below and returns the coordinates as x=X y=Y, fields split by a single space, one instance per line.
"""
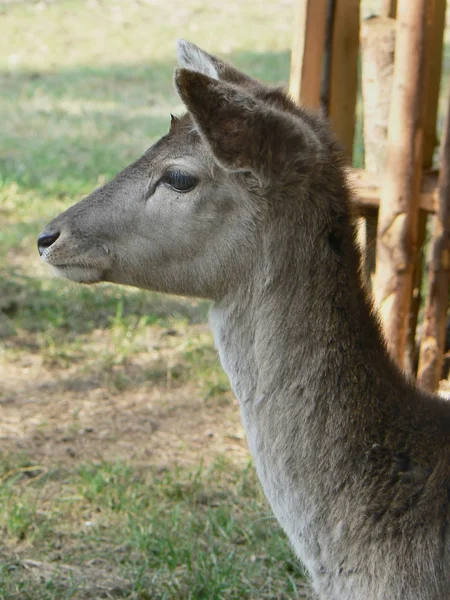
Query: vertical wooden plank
x=435 y=39
x=377 y=68
x=307 y=52
x=434 y=325
x=389 y=9
x=344 y=72
x=434 y=68
x=326 y=65
x=377 y=62
x=399 y=202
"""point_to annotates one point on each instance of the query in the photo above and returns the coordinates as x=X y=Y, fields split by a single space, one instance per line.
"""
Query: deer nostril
x=45 y=240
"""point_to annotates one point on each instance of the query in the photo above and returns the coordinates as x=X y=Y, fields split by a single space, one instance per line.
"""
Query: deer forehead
x=182 y=148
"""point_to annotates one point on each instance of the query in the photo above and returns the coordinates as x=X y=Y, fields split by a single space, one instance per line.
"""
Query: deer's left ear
x=194 y=58
x=244 y=133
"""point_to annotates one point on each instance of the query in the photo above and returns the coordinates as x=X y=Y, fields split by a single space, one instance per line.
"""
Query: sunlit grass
x=172 y=534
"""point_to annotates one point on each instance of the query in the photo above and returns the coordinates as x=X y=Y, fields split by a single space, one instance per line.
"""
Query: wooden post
x=344 y=72
x=389 y=9
x=326 y=68
x=398 y=214
x=378 y=52
x=435 y=39
x=307 y=52
x=377 y=61
x=434 y=68
x=434 y=325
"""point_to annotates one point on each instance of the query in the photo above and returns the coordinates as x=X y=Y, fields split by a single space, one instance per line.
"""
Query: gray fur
x=192 y=57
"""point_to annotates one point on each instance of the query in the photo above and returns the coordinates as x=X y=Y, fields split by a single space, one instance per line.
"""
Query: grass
x=170 y=534
x=123 y=469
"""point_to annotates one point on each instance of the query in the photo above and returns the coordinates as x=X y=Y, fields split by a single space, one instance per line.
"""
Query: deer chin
x=78 y=274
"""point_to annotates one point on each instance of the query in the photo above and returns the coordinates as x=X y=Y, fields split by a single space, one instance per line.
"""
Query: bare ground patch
x=161 y=416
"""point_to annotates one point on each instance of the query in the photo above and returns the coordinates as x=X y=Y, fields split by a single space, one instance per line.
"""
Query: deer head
x=187 y=216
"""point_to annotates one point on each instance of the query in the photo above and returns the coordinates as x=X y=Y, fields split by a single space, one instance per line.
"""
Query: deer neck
x=299 y=324
x=298 y=340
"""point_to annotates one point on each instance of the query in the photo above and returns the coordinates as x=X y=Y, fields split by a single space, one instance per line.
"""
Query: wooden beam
x=307 y=52
x=399 y=205
x=434 y=324
x=367 y=189
x=344 y=72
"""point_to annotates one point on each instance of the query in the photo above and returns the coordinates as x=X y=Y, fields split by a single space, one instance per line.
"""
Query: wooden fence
x=399 y=55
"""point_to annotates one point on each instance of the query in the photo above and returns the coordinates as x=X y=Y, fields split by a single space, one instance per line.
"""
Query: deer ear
x=243 y=133
x=194 y=58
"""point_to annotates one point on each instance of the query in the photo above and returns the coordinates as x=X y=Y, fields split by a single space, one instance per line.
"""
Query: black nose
x=45 y=240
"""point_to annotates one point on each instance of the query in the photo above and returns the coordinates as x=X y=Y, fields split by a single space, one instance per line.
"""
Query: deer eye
x=180 y=181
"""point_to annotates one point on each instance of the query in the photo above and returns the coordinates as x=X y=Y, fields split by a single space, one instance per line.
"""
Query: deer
x=245 y=201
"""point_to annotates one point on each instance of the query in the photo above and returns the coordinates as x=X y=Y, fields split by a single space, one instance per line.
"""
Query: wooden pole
x=434 y=68
x=377 y=62
x=389 y=9
x=307 y=52
x=344 y=72
x=326 y=70
x=435 y=39
x=434 y=325
x=398 y=214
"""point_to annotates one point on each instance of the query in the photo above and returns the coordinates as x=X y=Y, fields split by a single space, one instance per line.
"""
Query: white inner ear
x=192 y=57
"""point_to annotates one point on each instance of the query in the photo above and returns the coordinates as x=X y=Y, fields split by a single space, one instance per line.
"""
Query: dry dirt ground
x=66 y=414
x=57 y=415
x=140 y=410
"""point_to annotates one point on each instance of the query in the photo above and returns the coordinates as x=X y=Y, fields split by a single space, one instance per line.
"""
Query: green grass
x=86 y=88
x=197 y=534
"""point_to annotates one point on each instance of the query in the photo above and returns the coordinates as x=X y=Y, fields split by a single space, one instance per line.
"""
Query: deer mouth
x=79 y=273
x=88 y=266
